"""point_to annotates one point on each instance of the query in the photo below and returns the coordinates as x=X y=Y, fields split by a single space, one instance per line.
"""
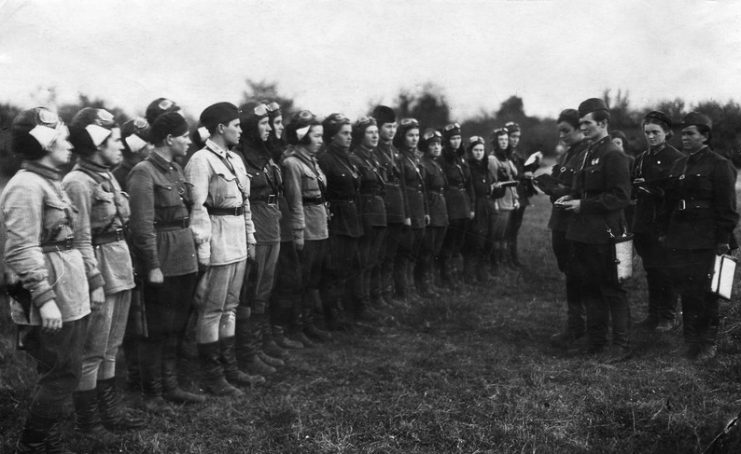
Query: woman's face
x=179 y=144
x=343 y=138
x=263 y=128
x=655 y=134
x=315 y=139
x=567 y=133
x=692 y=139
x=111 y=151
x=435 y=148
x=278 y=126
x=618 y=142
x=455 y=142
x=478 y=152
x=371 y=136
x=502 y=141
x=60 y=151
x=411 y=138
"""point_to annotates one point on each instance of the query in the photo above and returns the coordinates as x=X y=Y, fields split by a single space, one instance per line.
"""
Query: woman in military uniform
x=343 y=282
x=371 y=205
x=563 y=175
x=650 y=176
x=480 y=235
x=406 y=140
x=459 y=200
x=504 y=176
x=435 y=186
x=702 y=202
x=46 y=274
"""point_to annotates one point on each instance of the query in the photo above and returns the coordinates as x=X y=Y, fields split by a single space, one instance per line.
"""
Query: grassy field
x=469 y=373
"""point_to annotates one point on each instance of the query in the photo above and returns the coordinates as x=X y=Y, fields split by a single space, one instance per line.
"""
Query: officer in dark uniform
x=563 y=173
x=703 y=215
x=651 y=172
x=459 y=199
x=342 y=283
x=435 y=186
x=601 y=192
x=397 y=220
x=406 y=140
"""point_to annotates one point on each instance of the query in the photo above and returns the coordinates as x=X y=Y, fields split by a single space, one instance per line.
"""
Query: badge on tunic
x=595 y=161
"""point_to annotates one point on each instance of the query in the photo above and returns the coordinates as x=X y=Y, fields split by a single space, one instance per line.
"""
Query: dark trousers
x=59 y=364
x=602 y=294
x=395 y=235
x=342 y=274
x=406 y=256
x=662 y=297
x=370 y=248
x=429 y=251
x=691 y=271
x=455 y=238
x=513 y=228
x=286 y=299
x=565 y=257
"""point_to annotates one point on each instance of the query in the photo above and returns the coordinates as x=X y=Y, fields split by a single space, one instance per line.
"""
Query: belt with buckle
x=109 y=237
x=233 y=211
x=313 y=200
x=176 y=224
x=58 y=246
x=272 y=199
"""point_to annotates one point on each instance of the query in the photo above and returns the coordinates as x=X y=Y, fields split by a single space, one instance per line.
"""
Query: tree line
x=429 y=104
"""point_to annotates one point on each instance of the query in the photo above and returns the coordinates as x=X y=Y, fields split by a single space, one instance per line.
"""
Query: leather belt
x=313 y=200
x=176 y=224
x=58 y=246
x=109 y=237
x=233 y=211
x=272 y=199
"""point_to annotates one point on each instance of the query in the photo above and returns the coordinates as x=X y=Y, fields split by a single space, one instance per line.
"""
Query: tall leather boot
x=310 y=328
x=54 y=443
x=87 y=419
x=150 y=363
x=231 y=368
x=171 y=390
x=469 y=269
x=214 y=381
x=131 y=354
x=514 y=259
x=35 y=434
x=270 y=353
x=481 y=268
x=112 y=412
x=279 y=335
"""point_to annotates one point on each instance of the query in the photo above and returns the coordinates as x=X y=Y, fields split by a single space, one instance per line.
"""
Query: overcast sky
x=340 y=55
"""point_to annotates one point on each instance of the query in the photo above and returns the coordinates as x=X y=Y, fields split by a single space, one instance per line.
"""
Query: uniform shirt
x=564 y=171
x=653 y=166
x=459 y=195
x=304 y=180
x=36 y=211
x=702 y=199
x=396 y=207
x=372 y=187
x=343 y=190
x=221 y=240
x=603 y=186
x=414 y=188
x=502 y=171
x=121 y=172
x=435 y=185
x=102 y=209
x=266 y=185
x=160 y=205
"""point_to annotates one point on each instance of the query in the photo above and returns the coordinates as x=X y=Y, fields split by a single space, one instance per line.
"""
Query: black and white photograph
x=370 y=226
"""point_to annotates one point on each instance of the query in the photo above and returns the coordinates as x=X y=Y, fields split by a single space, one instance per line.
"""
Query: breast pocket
x=103 y=207
x=309 y=185
x=166 y=196
x=56 y=222
x=224 y=190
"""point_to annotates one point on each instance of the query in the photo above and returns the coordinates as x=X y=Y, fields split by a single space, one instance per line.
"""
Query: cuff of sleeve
x=298 y=234
x=153 y=263
x=95 y=281
x=251 y=239
x=41 y=299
